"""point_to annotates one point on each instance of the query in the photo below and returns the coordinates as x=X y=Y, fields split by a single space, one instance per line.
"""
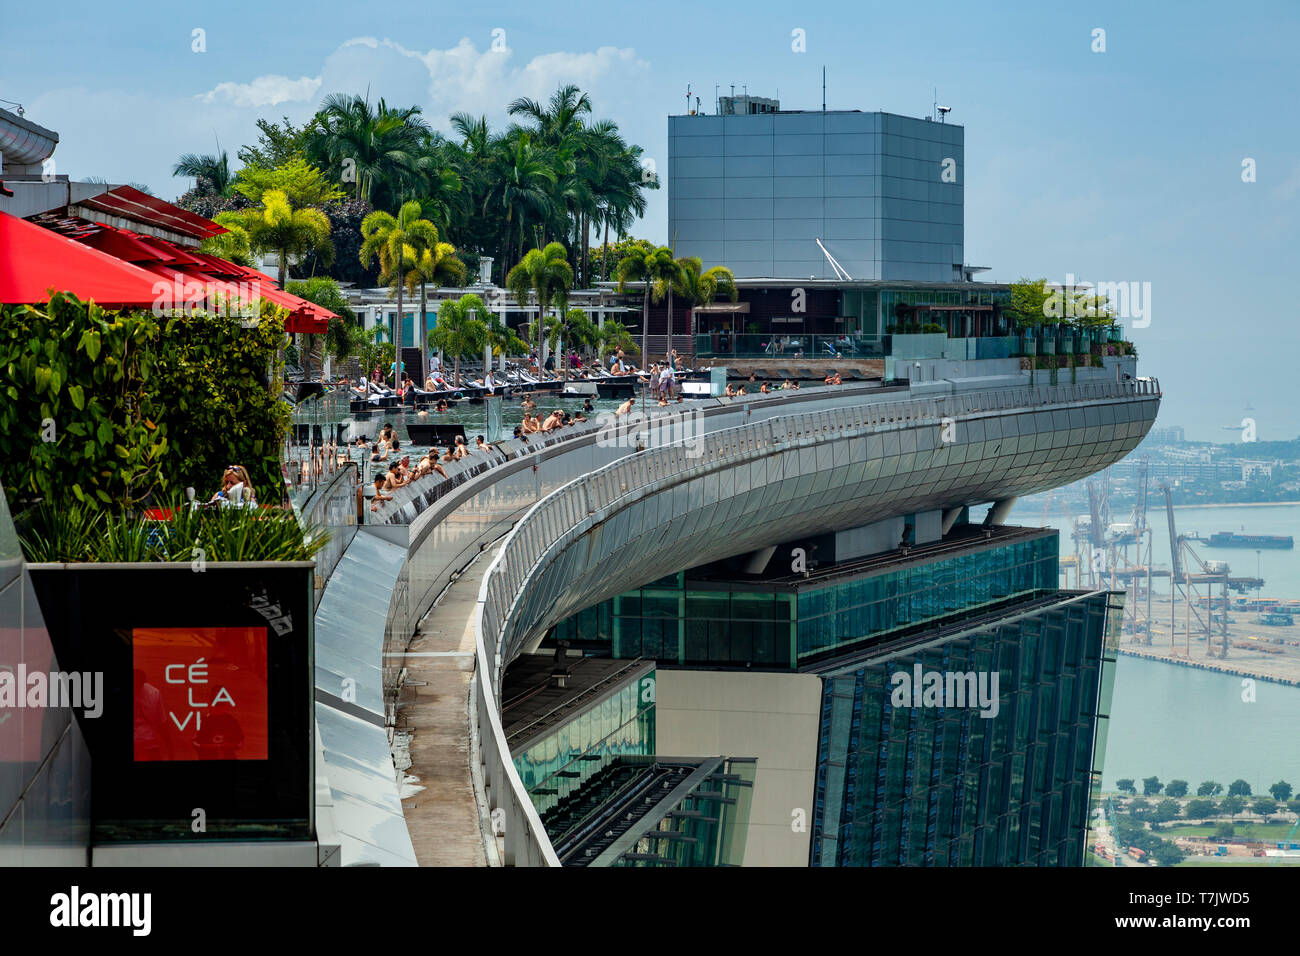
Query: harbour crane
x=1096 y=534
x=1183 y=585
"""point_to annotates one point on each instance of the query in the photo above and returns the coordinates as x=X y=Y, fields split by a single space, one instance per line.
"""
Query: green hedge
x=116 y=408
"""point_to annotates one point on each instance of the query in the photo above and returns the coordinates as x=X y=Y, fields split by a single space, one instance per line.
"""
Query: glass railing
x=779 y=347
x=315 y=446
x=1066 y=340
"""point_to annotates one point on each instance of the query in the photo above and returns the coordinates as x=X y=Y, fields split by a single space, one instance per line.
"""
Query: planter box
x=207 y=695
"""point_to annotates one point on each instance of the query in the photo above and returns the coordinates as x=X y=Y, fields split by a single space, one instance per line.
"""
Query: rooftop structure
x=832 y=194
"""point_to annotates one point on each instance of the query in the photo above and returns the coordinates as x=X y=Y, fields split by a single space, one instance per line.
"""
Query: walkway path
x=433 y=706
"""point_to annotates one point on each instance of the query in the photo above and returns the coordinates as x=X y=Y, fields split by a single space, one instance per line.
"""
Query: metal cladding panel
x=803 y=488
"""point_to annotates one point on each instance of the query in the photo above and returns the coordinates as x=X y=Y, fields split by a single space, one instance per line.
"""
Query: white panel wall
x=772 y=717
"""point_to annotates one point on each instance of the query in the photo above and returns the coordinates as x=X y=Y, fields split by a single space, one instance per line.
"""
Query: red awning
x=130 y=203
x=37 y=261
x=119 y=267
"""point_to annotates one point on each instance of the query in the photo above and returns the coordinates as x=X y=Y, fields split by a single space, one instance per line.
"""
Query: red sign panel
x=200 y=693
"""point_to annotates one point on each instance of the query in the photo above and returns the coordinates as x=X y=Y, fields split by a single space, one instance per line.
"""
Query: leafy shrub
x=82 y=419
x=112 y=407
x=73 y=533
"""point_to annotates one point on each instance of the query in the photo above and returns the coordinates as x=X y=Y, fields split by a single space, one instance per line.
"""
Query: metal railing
x=549 y=526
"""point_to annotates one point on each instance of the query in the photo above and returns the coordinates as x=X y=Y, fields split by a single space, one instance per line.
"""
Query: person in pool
x=379 y=493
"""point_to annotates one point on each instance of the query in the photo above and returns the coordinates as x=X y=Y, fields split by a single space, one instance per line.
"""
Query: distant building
x=1167 y=436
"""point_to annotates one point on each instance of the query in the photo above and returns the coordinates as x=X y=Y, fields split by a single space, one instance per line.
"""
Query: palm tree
x=502 y=339
x=380 y=147
x=398 y=242
x=613 y=335
x=699 y=286
x=560 y=121
x=275 y=226
x=437 y=264
x=440 y=196
x=572 y=329
x=554 y=177
x=326 y=293
x=547 y=275
x=214 y=169
x=462 y=329
x=559 y=129
x=522 y=180
x=658 y=270
x=232 y=245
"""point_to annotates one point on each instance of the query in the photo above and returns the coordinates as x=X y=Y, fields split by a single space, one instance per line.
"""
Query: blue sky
x=1116 y=166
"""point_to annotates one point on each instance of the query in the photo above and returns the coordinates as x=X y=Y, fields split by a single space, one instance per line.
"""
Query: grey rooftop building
x=794 y=194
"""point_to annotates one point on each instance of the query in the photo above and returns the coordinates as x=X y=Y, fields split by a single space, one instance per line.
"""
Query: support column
x=999 y=512
x=950 y=516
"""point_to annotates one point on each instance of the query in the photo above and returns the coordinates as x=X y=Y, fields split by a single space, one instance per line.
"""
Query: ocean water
x=1182 y=723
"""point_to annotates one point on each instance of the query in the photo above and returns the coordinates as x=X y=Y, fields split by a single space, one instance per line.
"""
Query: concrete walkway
x=433 y=707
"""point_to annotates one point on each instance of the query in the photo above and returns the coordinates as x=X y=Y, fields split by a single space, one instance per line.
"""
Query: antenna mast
x=823 y=87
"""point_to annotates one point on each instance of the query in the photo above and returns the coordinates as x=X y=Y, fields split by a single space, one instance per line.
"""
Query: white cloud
x=466 y=79
x=269 y=90
x=462 y=78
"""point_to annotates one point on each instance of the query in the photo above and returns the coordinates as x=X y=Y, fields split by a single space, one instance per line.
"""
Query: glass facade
x=782 y=625
x=559 y=764
x=840 y=615
x=945 y=786
x=883 y=193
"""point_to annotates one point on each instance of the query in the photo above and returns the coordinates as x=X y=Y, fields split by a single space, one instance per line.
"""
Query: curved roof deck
x=753 y=485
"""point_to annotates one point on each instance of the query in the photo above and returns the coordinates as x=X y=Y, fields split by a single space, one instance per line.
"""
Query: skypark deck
x=599 y=516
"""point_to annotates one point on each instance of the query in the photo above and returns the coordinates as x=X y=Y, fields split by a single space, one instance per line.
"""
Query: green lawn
x=1269 y=832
